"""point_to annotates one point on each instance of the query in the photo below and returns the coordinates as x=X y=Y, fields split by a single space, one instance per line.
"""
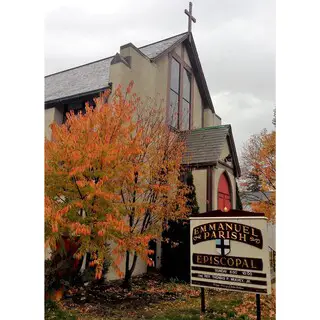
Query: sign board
x=229 y=251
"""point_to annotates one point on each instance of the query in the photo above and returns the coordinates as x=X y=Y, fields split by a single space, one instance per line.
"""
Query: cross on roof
x=190 y=17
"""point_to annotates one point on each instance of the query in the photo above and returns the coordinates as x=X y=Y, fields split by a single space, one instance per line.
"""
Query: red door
x=224 y=195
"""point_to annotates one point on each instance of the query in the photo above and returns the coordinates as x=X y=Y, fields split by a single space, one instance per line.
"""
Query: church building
x=170 y=69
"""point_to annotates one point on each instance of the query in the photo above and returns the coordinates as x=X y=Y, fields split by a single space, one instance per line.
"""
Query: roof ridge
x=82 y=65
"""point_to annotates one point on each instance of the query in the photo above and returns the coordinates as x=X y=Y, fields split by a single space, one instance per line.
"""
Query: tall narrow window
x=174 y=94
x=180 y=95
x=186 y=99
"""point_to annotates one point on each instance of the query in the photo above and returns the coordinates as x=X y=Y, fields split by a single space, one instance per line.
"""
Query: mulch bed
x=106 y=299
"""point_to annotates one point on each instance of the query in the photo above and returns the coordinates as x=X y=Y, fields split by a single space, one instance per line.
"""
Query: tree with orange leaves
x=259 y=172
x=112 y=176
x=155 y=193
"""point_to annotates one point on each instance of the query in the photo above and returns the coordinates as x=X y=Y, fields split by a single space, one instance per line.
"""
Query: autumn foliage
x=112 y=176
x=259 y=171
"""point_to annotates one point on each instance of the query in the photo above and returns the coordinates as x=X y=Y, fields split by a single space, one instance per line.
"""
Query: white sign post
x=229 y=251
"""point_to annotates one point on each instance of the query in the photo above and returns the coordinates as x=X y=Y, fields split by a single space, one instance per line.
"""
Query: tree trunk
x=84 y=261
x=127 y=282
x=83 y=266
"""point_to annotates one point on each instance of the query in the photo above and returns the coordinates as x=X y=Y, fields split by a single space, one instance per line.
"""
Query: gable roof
x=94 y=76
x=204 y=146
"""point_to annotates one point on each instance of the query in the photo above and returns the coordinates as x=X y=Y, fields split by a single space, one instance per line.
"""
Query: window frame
x=182 y=65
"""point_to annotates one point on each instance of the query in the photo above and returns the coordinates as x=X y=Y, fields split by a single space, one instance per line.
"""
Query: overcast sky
x=235 y=40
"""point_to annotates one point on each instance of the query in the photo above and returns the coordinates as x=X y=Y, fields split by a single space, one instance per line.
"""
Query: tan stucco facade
x=48 y=119
x=225 y=152
x=51 y=115
x=208 y=118
x=200 y=183
x=141 y=267
x=216 y=120
x=141 y=71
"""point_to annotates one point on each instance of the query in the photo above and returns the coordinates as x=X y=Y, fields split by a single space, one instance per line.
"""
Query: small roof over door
x=206 y=146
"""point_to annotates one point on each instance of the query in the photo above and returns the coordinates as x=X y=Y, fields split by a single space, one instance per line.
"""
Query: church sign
x=229 y=251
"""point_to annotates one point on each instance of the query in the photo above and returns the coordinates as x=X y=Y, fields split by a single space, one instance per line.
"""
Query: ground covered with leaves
x=154 y=298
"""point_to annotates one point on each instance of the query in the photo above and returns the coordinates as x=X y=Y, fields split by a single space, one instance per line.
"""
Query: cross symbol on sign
x=223 y=246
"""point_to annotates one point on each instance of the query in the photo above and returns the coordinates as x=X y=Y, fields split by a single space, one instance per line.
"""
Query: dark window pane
x=175 y=69
x=173 y=109
x=75 y=107
x=185 y=115
x=186 y=85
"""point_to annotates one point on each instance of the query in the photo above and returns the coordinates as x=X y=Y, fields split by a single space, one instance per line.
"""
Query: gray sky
x=235 y=40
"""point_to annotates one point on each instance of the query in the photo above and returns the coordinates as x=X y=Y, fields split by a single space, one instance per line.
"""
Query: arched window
x=224 y=193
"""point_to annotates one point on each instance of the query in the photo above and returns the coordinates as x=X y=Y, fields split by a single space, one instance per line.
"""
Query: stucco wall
x=51 y=115
x=58 y=116
x=48 y=119
x=142 y=72
x=200 y=183
x=208 y=118
x=141 y=267
x=225 y=152
x=216 y=120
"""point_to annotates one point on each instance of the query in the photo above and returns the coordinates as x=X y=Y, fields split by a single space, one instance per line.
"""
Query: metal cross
x=190 y=17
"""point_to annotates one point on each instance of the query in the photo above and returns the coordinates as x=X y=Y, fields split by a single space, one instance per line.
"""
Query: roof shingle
x=205 y=145
x=95 y=75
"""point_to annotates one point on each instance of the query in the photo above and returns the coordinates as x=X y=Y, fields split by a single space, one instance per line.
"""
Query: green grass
x=53 y=311
x=177 y=310
x=220 y=305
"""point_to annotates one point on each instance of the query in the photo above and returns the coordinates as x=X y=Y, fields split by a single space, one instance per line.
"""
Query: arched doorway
x=224 y=193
